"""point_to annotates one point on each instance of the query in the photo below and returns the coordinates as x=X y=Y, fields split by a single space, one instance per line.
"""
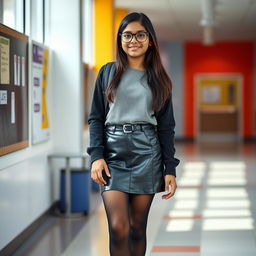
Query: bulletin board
x=13 y=90
x=219 y=91
x=39 y=70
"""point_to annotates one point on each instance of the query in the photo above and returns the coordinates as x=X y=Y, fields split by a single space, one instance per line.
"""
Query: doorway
x=218 y=109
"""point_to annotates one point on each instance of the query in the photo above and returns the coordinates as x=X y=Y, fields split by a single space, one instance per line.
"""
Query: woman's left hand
x=170 y=186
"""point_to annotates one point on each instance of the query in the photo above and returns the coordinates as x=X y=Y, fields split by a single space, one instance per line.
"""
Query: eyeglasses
x=128 y=36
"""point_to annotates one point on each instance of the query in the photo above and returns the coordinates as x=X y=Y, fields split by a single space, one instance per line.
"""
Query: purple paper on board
x=37 y=54
x=36 y=107
x=36 y=81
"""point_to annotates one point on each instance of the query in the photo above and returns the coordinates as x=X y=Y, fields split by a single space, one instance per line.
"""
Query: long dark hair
x=158 y=80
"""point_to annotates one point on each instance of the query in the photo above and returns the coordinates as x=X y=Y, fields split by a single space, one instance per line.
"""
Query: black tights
x=127 y=216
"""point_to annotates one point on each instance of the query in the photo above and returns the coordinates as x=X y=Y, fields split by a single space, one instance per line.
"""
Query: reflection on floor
x=213 y=211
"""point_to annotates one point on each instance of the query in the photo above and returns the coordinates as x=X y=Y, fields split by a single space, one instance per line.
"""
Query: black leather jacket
x=97 y=117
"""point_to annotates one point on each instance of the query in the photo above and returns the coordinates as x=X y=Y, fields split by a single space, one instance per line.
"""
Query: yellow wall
x=103 y=32
x=120 y=13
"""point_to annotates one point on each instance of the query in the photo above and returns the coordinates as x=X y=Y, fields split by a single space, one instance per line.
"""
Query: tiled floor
x=213 y=211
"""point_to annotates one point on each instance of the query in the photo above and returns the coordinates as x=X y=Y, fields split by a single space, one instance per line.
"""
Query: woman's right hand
x=98 y=166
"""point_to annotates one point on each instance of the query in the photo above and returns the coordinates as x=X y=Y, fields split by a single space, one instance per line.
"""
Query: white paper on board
x=23 y=71
x=211 y=94
x=4 y=60
x=13 y=108
x=3 y=97
x=18 y=71
x=15 y=68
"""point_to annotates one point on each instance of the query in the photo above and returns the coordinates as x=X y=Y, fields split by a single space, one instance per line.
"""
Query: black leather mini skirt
x=133 y=156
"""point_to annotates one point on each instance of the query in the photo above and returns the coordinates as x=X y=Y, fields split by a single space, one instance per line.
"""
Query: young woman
x=132 y=135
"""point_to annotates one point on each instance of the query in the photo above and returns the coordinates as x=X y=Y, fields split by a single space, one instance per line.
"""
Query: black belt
x=129 y=128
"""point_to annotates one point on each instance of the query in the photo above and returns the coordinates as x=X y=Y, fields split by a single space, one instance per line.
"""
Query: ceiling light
x=208 y=21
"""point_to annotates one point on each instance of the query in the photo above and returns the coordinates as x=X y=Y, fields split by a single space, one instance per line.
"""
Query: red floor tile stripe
x=199 y=186
x=176 y=249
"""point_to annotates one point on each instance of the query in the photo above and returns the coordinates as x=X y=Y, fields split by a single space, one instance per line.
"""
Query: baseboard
x=249 y=139
x=191 y=139
x=184 y=139
x=11 y=247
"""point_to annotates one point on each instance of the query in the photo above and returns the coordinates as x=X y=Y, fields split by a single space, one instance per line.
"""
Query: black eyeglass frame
x=134 y=35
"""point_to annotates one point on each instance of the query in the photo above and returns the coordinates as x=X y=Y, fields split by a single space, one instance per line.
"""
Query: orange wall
x=223 y=57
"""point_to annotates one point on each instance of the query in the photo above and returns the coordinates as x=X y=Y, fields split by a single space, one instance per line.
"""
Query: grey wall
x=172 y=55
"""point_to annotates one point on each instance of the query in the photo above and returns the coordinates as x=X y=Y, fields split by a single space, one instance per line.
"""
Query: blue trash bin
x=80 y=190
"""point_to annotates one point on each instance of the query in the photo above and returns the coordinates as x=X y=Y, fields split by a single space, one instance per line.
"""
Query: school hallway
x=55 y=114
x=213 y=211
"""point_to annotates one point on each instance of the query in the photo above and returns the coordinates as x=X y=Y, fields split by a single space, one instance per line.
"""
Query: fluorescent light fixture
x=243 y=203
x=227 y=213
x=208 y=38
x=208 y=18
x=226 y=193
x=228 y=224
x=208 y=21
x=179 y=225
x=186 y=204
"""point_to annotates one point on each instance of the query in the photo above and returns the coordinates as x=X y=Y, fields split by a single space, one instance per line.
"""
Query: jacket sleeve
x=96 y=120
x=165 y=130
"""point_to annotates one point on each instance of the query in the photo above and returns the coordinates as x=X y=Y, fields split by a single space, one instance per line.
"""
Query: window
x=87 y=31
x=37 y=20
x=12 y=14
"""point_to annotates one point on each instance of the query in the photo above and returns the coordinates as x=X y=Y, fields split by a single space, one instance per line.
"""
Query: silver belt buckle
x=127 y=128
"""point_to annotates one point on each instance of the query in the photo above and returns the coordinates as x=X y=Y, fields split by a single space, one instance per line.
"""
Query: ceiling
x=180 y=19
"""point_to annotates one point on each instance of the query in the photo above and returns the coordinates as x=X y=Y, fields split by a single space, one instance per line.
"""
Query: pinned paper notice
x=13 y=108
x=4 y=60
x=3 y=97
x=211 y=94
x=23 y=71
x=18 y=71
x=15 y=69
